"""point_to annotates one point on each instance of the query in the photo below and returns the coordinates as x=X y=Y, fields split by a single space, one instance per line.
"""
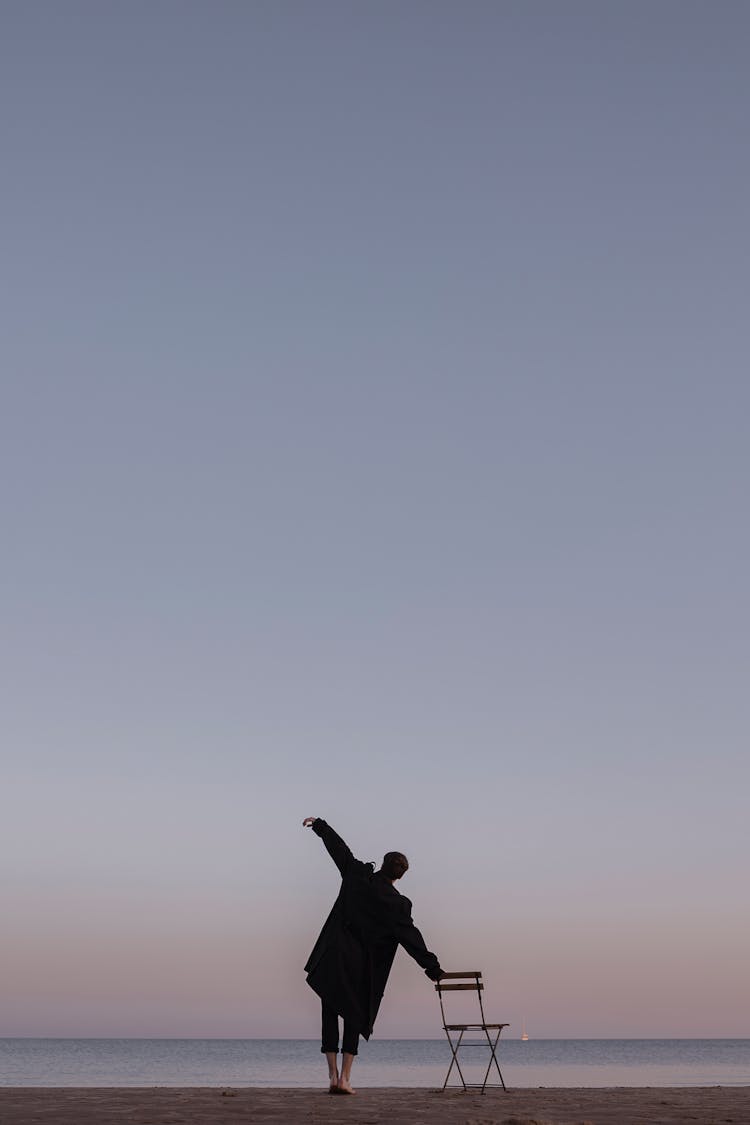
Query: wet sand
x=714 y=1105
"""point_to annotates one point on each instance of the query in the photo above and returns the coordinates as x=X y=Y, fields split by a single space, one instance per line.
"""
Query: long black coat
x=351 y=960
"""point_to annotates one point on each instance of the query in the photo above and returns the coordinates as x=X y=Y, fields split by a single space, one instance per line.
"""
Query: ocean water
x=388 y=1062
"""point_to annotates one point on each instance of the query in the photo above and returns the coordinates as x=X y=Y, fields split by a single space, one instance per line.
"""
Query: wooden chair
x=455 y=1032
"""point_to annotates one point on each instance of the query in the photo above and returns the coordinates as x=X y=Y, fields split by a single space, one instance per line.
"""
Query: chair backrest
x=460 y=982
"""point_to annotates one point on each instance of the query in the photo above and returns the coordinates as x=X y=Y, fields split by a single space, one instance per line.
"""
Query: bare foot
x=333 y=1072
x=344 y=1088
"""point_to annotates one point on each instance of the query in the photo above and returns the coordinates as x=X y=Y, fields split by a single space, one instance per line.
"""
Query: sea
x=387 y=1062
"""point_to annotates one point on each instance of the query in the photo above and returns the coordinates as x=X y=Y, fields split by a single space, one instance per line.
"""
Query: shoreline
x=196 y=1105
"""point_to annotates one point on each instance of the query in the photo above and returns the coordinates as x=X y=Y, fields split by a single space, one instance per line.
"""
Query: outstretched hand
x=309 y=821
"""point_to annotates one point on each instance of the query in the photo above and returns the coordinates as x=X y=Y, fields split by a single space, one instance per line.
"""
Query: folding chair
x=455 y=1031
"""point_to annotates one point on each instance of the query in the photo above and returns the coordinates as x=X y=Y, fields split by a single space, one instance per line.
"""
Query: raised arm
x=335 y=846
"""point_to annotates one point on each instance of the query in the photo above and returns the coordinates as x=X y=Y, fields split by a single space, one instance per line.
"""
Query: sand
x=373 y=1106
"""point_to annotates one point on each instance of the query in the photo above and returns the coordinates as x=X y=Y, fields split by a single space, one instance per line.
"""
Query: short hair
x=395 y=864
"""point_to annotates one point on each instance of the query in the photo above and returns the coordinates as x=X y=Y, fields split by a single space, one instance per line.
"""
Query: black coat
x=351 y=960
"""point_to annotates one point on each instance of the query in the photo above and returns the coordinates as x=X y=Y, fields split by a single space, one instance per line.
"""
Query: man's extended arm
x=335 y=846
x=411 y=939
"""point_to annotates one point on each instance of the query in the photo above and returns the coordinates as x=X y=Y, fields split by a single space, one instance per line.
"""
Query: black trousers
x=330 y=1033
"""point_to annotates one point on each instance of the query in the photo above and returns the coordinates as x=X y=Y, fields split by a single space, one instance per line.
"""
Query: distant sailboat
x=524 y=1036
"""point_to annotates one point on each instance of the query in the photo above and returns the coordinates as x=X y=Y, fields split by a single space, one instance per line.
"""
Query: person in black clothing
x=351 y=960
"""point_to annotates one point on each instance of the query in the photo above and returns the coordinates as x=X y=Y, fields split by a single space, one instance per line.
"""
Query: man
x=351 y=960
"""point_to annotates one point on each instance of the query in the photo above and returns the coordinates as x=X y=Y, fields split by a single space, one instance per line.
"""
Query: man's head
x=395 y=864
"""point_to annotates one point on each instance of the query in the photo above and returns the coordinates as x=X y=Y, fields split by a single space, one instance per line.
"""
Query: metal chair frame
x=455 y=1032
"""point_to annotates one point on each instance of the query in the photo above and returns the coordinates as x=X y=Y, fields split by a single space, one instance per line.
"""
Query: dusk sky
x=374 y=445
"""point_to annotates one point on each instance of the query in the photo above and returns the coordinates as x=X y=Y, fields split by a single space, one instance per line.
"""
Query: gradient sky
x=374 y=446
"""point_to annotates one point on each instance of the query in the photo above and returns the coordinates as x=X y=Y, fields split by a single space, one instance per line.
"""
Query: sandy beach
x=202 y=1106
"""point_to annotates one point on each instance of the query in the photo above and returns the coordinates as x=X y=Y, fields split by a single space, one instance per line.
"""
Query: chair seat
x=473 y=1026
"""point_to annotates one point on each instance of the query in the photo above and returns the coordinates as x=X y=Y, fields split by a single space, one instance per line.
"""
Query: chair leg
x=455 y=1047
x=454 y=1061
x=492 y=1044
